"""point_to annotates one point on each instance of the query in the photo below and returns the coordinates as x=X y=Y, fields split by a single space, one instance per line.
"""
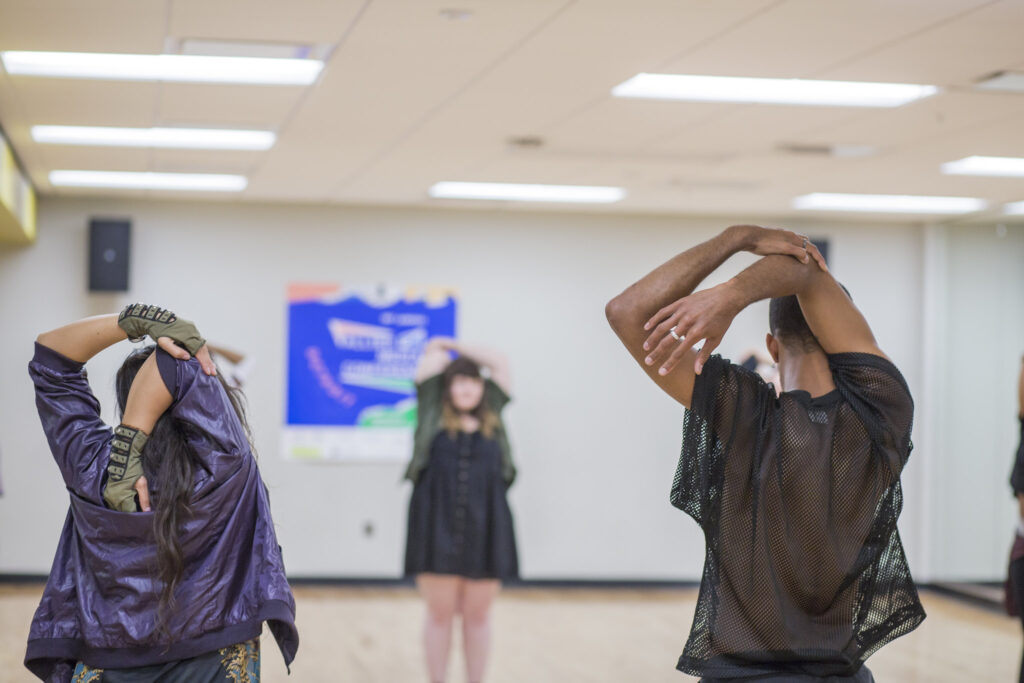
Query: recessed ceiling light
x=990 y=166
x=173 y=68
x=771 y=90
x=527 y=193
x=203 y=182
x=245 y=48
x=887 y=203
x=182 y=138
x=1014 y=209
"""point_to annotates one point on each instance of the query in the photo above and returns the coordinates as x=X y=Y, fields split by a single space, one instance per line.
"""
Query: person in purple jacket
x=168 y=564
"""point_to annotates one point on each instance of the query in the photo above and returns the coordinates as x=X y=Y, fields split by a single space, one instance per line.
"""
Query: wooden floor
x=354 y=635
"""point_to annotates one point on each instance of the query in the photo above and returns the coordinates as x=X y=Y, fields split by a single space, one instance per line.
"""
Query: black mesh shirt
x=798 y=497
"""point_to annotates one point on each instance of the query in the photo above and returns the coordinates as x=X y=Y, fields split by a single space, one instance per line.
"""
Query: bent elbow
x=617 y=311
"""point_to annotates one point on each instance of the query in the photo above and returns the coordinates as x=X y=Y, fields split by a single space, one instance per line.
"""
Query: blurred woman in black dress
x=461 y=543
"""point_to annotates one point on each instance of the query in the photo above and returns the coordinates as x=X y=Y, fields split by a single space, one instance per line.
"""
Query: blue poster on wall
x=352 y=354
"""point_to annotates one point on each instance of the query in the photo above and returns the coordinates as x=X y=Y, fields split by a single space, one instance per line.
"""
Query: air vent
x=807 y=150
x=456 y=14
x=526 y=142
x=824 y=150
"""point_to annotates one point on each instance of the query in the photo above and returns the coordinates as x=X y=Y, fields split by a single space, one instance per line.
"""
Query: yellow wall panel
x=17 y=200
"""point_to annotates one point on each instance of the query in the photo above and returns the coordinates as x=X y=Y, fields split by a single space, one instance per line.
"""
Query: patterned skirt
x=235 y=664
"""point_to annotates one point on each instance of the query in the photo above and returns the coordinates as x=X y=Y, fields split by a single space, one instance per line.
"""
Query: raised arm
x=434 y=359
x=148 y=399
x=72 y=417
x=83 y=339
x=495 y=362
x=830 y=313
x=642 y=315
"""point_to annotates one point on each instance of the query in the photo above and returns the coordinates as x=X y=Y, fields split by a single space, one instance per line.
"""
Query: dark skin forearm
x=833 y=317
x=707 y=314
x=672 y=280
x=770 y=277
x=645 y=314
x=835 y=321
x=676 y=278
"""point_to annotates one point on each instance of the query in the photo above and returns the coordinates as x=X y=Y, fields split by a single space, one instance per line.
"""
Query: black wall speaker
x=109 y=254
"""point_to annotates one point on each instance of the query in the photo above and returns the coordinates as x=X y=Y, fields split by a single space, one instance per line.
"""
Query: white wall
x=596 y=443
x=978 y=329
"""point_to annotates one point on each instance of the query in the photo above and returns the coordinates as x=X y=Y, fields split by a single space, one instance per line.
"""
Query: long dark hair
x=169 y=464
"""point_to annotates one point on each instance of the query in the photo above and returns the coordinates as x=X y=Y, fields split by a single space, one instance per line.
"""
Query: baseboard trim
x=391 y=582
x=23 y=578
x=961 y=592
x=625 y=584
x=940 y=588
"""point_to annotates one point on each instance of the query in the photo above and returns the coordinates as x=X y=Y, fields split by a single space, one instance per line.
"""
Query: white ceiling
x=409 y=98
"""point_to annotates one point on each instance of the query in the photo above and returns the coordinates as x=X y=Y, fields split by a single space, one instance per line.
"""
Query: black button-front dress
x=459 y=519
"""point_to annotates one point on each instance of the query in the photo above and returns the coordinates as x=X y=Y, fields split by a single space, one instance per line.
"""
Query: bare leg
x=1017 y=586
x=477 y=598
x=442 y=595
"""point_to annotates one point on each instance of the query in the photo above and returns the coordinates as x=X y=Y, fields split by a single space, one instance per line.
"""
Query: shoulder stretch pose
x=460 y=544
x=168 y=564
x=798 y=493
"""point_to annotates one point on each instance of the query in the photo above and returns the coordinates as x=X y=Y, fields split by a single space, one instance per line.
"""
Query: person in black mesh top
x=797 y=493
x=1016 y=582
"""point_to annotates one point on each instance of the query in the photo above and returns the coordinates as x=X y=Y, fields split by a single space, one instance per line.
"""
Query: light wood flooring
x=372 y=635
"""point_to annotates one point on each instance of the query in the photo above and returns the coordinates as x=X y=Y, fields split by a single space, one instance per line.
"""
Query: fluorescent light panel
x=1007 y=81
x=1014 y=209
x=175 y=68
x=989 y=166
x=527 y=193
x=202 y=182
x=181 y=138
x=771 y=90
x=887 y=203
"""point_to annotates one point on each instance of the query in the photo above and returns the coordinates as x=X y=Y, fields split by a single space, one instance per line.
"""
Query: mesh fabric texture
x=798 y=499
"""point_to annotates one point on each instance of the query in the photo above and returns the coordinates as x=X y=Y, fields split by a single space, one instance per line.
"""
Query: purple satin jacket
x=100 y=602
